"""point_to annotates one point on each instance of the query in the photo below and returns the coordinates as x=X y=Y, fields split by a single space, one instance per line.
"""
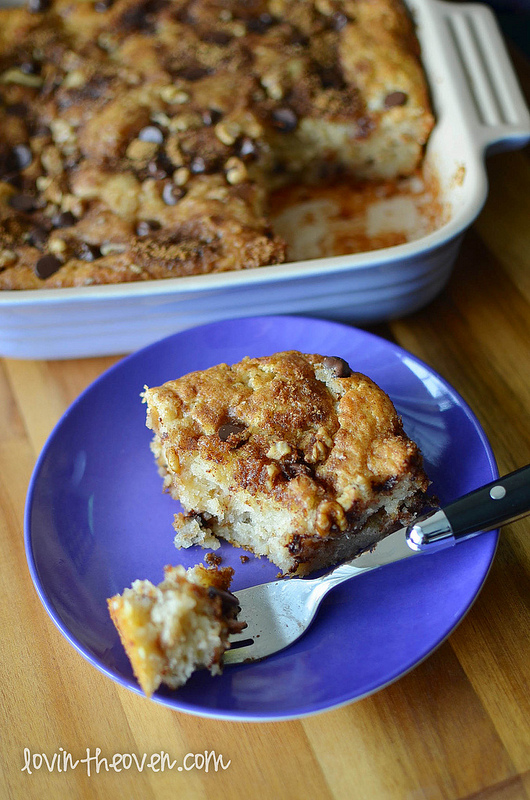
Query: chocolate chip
x=38 y=237
x=139 y=17
x=260 y=24
x=193 y=72
x=18 y=158
x=63 y=220
x=230 y=429
x=295 y=545
x=155 y=171
x=235 y=626
x=164 y=162
x=147 y=226
x=284 y=119
x=46 y=266
x=17 y=110
x=293 y=469
x=43 y=130
x=339 y=20
x=93 y=88
x=297 y=37
x=186 y=14
x=38 y=6
x=395 y=99
x=171 y=194
x=103 y=5
x=160 y=167
x=14 y=180
x=29 y=68
x=151 y=134
x=23 y=202
x=331 y=78
x=228 y=599
x=23 y=155
x=8 y=168
x=216 y=37
x=338 y=366
x=211 y=116
x=198 y=165
x=384 y=487
x=88 y=252
x=247 y=148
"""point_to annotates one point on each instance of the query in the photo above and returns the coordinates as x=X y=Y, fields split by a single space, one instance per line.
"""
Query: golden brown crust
x=298 y=433
x=140 y=137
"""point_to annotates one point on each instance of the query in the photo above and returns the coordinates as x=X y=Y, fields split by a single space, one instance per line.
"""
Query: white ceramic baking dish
x=479 y=107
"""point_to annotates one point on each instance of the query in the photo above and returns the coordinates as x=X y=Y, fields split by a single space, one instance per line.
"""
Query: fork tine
x=272 y=613
x=239 y=655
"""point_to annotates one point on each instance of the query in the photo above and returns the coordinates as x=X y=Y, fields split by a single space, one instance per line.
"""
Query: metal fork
x=278 y=613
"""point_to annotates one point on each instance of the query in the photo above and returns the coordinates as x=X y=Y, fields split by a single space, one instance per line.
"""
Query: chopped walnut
x=227 y=132
x=330 y=514
x=7 y=258
x=236 y=171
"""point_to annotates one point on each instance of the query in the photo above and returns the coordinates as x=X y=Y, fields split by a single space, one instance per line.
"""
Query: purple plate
x=96 y=520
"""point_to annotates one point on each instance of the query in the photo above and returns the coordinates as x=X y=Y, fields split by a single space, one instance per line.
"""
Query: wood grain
x=456 y=728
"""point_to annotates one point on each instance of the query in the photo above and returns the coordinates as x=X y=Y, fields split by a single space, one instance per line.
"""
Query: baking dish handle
x=494 y=107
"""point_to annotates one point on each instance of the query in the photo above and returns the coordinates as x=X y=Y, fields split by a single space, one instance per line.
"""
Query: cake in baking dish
x=141 y=139
x=291 y=456
x=183 y=624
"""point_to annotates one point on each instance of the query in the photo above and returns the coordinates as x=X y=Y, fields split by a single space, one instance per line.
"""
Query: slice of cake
x=292 y=456
x=170 y=630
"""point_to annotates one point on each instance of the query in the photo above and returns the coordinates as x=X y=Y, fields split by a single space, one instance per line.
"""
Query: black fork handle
x=497 y=503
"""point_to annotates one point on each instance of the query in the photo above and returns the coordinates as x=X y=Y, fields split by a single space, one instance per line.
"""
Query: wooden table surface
x=457 y=726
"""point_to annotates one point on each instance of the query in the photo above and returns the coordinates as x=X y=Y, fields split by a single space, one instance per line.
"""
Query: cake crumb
x=183 y=624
